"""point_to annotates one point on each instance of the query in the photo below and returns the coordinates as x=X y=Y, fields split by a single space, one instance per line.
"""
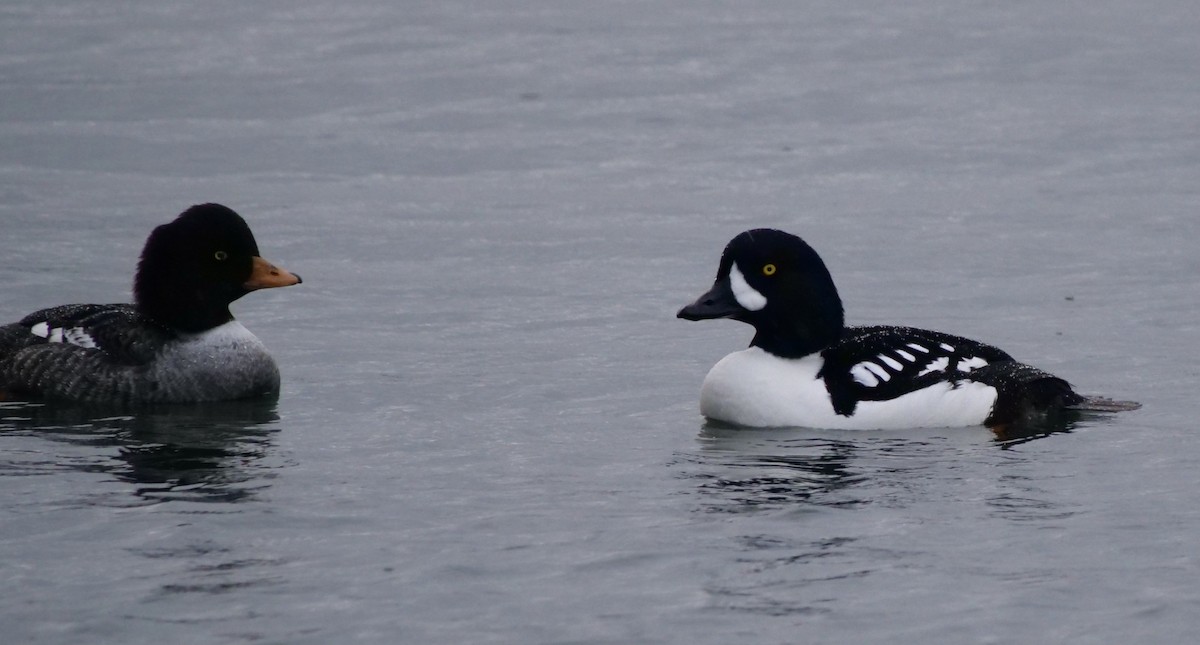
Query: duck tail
x=1024 y=393
x=1103 y=404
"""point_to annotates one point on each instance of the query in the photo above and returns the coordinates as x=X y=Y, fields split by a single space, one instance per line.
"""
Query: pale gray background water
x=488 y=429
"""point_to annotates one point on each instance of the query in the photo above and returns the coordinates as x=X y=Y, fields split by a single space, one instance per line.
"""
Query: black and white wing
x=77 y=348
x=117 y=330
x=880 y=363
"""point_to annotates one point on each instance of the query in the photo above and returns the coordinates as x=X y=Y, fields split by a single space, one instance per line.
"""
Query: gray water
x=488 y=428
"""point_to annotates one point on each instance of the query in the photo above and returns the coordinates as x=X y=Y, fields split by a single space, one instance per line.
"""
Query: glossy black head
x=777 y=283
x=193 y=267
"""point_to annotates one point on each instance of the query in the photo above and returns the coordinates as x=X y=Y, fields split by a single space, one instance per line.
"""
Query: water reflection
x=201 y=453
x=741 y=469
x=1062 y=422
x=806 y=515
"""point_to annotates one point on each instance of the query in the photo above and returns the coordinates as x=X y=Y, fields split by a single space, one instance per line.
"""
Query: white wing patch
x=938 y=365
x=863 y=375
x=930 y=360
x=77 y=336
x=891 y=362
x=870 y=374
x=971 y=364
x=877 y=371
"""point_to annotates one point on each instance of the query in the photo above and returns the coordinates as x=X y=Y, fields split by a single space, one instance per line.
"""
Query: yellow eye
x=221 y=256
x=768 y=269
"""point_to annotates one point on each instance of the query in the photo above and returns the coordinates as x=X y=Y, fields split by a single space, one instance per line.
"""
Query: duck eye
x=768 y=269
x=221 y=256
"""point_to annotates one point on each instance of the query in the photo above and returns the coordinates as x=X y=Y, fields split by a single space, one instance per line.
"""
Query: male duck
x=806 y=368
x=176 y=343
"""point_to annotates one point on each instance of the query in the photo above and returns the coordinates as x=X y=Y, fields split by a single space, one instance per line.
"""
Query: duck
x=176 y=342
x=806 y=368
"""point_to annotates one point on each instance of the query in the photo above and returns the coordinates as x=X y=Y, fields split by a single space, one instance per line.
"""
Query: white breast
x=757 y=389
x=225 y=362
x=219 y=343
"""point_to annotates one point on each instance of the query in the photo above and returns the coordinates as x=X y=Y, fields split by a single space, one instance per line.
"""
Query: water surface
x=488 y=428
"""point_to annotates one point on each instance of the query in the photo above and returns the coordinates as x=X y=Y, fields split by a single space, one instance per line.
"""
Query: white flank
x=41 y=329
x=938 y=365
x=906 y=356
x=756 y=389
x=946 y=347
x=56 y=335
x=746 y=295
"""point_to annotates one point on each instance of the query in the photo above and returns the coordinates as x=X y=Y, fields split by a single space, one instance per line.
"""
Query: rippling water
x=488 y=429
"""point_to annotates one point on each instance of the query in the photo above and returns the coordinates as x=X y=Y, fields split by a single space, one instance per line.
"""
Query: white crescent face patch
x=77 y=336
x=746 y=295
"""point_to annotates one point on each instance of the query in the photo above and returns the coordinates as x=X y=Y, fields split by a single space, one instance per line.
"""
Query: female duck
x=176 y=343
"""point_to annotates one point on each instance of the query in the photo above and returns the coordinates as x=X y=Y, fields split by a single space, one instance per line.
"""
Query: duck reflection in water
x=752 y=469
x=741 y=469
x=210 y=452
x=1057 y=422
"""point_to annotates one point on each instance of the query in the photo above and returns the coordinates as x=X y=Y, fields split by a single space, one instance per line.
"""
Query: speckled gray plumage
x=177 y=342
x=135 y=359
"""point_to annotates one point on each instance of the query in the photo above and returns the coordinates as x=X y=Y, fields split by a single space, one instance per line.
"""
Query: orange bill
x=265 y=275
